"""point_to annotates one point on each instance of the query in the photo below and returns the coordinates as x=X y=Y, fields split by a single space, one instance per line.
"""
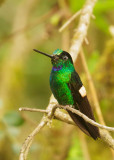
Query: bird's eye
x=65 y=58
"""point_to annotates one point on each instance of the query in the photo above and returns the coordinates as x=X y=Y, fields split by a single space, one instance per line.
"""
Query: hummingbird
x=68 y=89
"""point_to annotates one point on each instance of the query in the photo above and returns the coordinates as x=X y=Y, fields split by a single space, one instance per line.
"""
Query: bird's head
x=59 y=57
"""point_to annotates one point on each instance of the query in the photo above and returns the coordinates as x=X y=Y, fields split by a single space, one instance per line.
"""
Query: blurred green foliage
x=73 y=152
x=24 y=76
x=13 y=118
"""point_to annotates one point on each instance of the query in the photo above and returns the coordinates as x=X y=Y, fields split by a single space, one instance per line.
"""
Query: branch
x=66 y=118
x=45 y=120
x=81 y=31
x=28 y=141
x=105 y=137
x=70 y=20
x=70 y=108
x=86 y=118
x=33 y=110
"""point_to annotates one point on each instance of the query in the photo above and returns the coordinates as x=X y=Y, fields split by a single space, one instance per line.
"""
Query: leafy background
x=24 y=75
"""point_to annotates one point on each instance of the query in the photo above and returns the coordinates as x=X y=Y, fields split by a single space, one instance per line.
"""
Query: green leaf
x=13 y=118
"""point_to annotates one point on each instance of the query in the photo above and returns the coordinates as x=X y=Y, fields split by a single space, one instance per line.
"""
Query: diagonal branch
x=81 y=31
x=70 y=20
x=29 y=139
x=86 y=118
x=25 y=147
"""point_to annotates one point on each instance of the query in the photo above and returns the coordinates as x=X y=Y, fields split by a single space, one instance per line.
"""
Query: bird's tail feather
x=86 y=127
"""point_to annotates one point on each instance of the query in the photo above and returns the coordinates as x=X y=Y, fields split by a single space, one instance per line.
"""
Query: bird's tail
x=86 y=127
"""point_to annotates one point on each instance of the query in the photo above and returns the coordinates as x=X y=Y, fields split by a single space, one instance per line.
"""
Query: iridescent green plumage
x=68 y=89
x=60 y=77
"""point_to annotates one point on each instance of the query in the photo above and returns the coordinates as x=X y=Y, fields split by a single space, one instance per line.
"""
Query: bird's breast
x=59 y=86
x=60 y=76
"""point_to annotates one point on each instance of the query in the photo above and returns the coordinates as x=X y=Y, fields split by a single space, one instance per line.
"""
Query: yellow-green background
x=24 y=75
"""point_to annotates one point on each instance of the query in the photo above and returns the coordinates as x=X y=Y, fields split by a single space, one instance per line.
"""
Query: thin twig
x=86 y=118
x=28 y=141
x=81 y=31
x=33 y=110
x=69 y=21
x=26 y=146
x=105 y=137
x=86 y=41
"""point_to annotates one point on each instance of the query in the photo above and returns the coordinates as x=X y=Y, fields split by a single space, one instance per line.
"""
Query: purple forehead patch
x=57 y=68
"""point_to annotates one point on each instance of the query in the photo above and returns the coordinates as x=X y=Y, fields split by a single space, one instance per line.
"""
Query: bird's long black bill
x=43 y=53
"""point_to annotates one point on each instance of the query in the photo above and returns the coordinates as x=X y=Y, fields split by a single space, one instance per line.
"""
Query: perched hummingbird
x=68 y=89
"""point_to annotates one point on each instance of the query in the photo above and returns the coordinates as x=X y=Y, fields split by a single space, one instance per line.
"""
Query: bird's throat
x=57 y=68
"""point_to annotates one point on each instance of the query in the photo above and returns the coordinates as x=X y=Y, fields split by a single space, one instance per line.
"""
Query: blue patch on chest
x=57 y=68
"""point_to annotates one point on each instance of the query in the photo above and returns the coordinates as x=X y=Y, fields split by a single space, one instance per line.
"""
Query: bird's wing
x=81 y=102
